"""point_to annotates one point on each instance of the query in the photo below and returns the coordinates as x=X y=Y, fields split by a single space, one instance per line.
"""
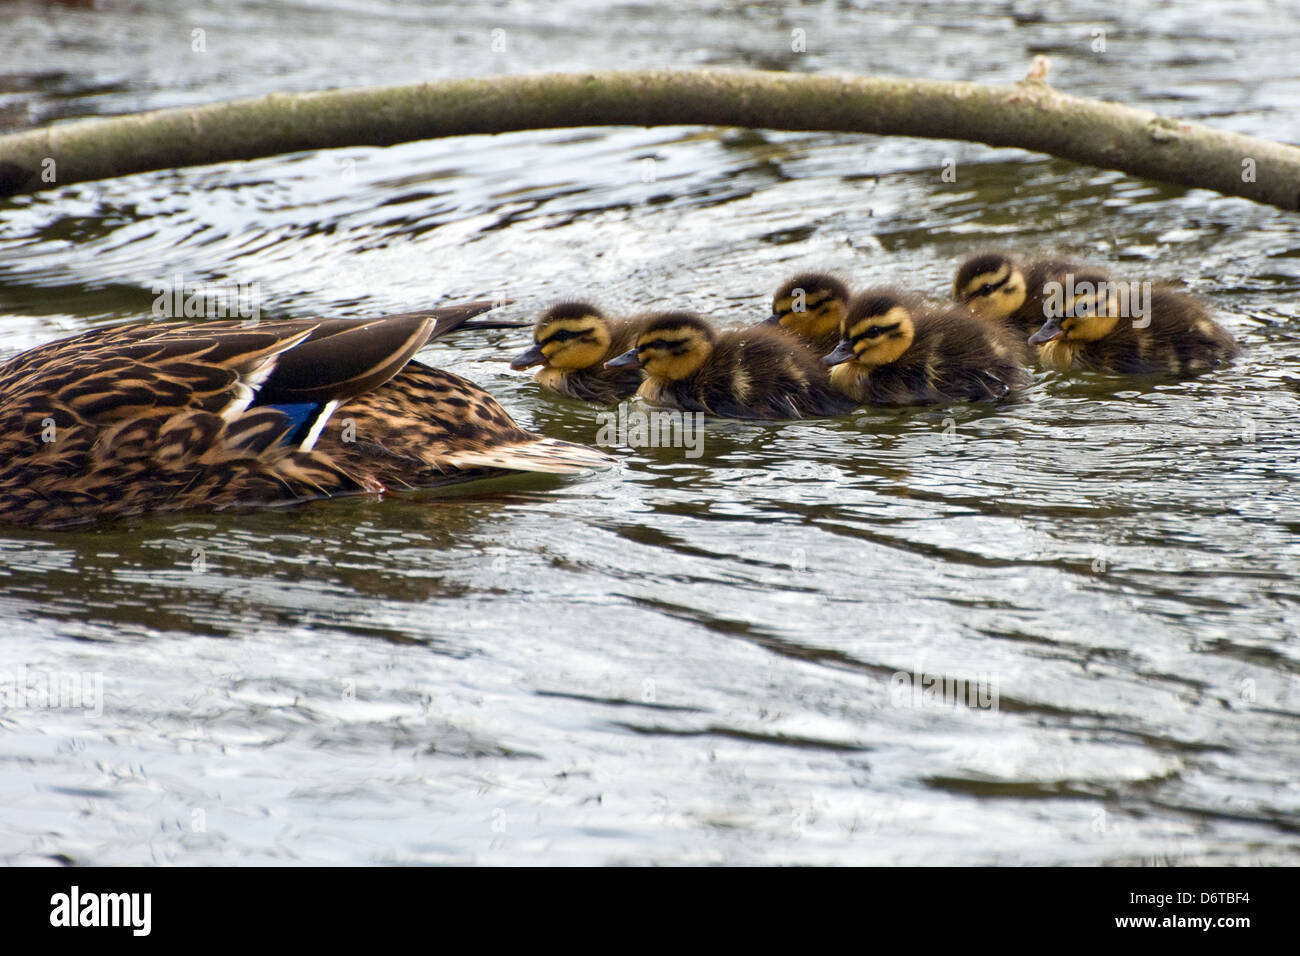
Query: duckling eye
x=876 y=331
x=986 y=289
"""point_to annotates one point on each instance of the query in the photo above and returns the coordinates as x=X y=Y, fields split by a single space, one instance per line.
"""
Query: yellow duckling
x=572 y=341
x=1123 y=328
x=812 y=306
x=1001 y=289
x=750 y=372
x=897 y=350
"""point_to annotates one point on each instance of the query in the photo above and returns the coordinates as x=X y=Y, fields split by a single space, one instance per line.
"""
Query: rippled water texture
x=686 y=660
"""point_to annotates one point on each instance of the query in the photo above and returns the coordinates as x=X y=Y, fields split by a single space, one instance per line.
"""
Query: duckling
x=812 y=306
x=572 y=341
x=1102 y=326
x=897 y=350
x=999 y=288
x=751 y=372
x=153 y=417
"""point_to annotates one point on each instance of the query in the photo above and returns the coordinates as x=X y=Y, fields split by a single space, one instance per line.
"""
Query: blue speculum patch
x=302 y=414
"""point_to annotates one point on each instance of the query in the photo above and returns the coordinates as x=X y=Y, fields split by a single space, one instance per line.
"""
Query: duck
x=755 y=372
x=897 y=349
x=1009 y=292
x=152 y=417
x=572 y=341
x=811 y=306
x=1119 y=328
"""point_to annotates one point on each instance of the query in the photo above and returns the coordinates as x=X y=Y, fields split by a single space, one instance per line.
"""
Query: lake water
x=686 y=660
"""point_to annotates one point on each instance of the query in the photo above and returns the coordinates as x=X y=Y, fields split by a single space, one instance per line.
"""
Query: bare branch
x=1029 y=114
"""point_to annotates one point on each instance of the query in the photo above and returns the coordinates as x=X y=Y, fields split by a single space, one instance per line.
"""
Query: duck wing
x=224 y=365
x=446 y=424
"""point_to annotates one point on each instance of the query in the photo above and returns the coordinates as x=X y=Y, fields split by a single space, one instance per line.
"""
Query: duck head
x=811 y=305
x=877 y=330
x=568 y=336
x=672 y=345
x=1088 y=314
x=992 y=284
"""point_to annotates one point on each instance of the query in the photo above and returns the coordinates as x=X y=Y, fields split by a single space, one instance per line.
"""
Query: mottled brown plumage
x=753 y=372
x=572 y=341
x=899 y=350
x=176 y=416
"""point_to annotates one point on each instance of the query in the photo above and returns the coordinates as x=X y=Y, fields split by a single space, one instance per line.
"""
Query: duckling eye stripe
x=876 y=331
x=666 y=344
x=560 y=335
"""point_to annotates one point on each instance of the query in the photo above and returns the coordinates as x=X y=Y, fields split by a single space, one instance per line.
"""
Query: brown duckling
x=811 y=306
x=1120 y=328
x=898 y=350
x=1000 y=288
x=572 y=341
x=751 y=372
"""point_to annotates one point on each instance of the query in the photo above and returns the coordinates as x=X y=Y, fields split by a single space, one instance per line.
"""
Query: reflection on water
x=723 y=659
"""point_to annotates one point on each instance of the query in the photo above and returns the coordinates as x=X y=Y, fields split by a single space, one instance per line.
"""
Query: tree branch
x=1030 y=115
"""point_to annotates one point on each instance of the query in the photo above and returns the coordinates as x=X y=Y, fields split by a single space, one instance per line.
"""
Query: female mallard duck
x=1101 y=325
x=1001 y=289
x=751 y=372
x=170 y=416
x=897 y=350
x=572 y=342
x=812 y=306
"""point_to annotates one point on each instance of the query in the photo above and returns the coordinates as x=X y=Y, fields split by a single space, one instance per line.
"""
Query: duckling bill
x=753 y=372
x=897 y=350
x=153 y=417
x=572 y=342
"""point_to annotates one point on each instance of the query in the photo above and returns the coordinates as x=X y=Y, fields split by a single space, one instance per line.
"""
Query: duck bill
x=528 y=359
x=628 y=359
x=843 y=352
x=1050 y=332
x=771 y=320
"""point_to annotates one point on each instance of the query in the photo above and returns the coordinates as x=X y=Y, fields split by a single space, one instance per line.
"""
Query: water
x=686 y=660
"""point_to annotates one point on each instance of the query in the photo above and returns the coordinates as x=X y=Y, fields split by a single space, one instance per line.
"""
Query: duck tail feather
x=547 y=455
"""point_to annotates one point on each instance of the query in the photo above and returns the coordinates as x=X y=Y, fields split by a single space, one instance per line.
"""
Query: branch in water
x=1029 y=114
